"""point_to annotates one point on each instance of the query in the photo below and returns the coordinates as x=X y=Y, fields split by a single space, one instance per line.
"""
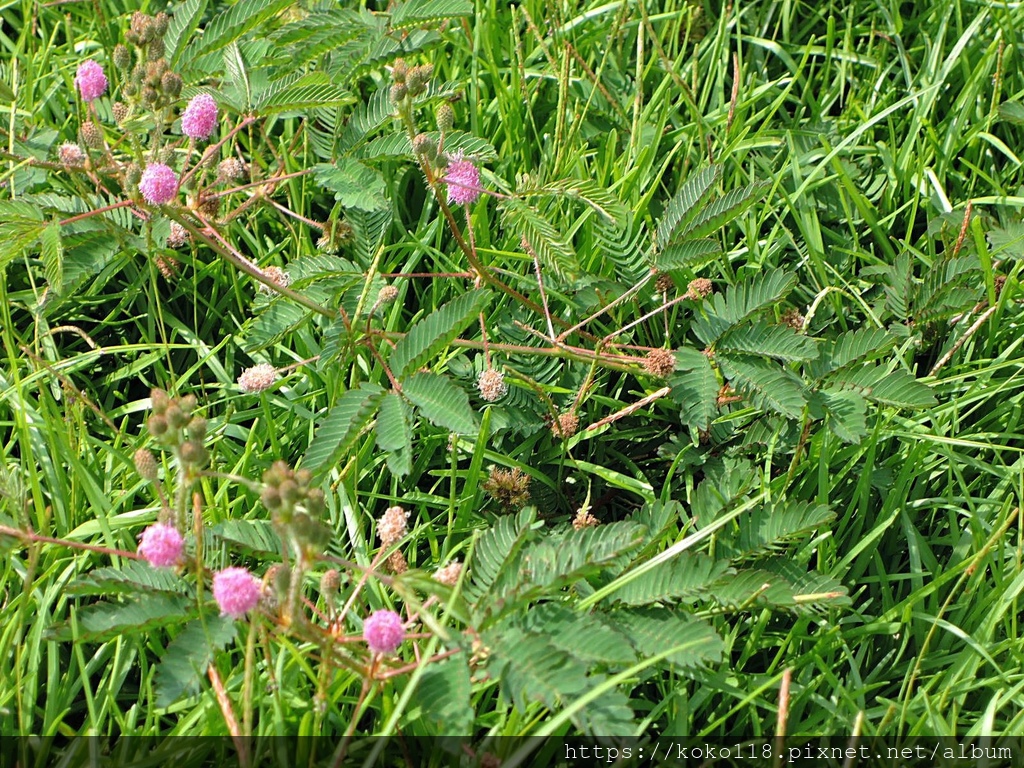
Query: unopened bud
x=445 y=117
x=155 y=51
x=122 y=56
x=160 y=23
x=424 y=145
x=398 y=92
x=171 y=84
x=399 y=70
x=145 y=464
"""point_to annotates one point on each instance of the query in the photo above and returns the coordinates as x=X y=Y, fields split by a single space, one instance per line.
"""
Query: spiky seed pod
x=171 y=84
x=150 y=96
x=387 y=294
x=122 y=56
x=793 y=319
x=133 y=175
x=140 y=23
x=155 y=49
x=167 y=266
x=160 y=401
x=157 y=426
x=664 y=283
x=91 y=135
x=192 y=453
x=397 y=93
x=145 y=464
x=510 y=488
x=231 y=169
x=399 y=70
x=660 y=362
x=330 y=582
x=424 y=145
x=445 y=117
x=210 y=207
x=160 y=23
x=397 y=563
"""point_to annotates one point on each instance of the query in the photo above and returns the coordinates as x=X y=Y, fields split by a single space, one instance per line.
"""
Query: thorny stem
x=219 y=245
x=37 y=538
x=212 y=149
x=628 y=294
x=642 y=318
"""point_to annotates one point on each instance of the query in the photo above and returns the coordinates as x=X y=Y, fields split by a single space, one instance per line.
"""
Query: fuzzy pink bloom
x=200 y=117
x=161 y=545
x=236 y=591
x=463 y=180
x=158 y=184
x=91 y=81
x=383 y=631
x=257 y=378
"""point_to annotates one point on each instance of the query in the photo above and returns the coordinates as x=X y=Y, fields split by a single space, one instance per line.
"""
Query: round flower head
x=71 y=154
x=200 y=117
x=161 y=545
x=257 y=378
x=463 y=180
x=236 y=591
x=492 y=385
x=91 y=81
x=158 y=184
x=383 y=631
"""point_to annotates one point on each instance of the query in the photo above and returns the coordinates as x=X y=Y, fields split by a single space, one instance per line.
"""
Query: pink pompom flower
x=91 y=81
x=463 y=180
x=158 y=184
x=200 y=117
x=161 y=545
x=236 y=591
x=383 y=631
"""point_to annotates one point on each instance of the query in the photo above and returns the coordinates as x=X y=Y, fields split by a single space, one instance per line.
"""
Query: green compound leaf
x=696 y=390
x=444 y=693
x=770 y=387
x=653 y=631
x=686 y=203
x=53 y=256
x=442 y=402
x=342 y=427
x=354 y=185
x=183 y=667
x=104 y=621
x=394 y=434
x=682 y=579
x=778 y=341
x=899 y=388
x=428 y=337
x=419 y=13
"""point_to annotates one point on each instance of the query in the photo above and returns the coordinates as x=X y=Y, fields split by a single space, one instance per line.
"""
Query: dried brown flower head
x=699 y=288
x=660 y=362
x=449 y=574
x=793 y=319
x=565 y=425
x=510 y=488
x=664 y=283
x=584 y=519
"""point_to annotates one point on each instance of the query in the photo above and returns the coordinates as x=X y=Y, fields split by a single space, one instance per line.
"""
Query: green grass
x=873 y=125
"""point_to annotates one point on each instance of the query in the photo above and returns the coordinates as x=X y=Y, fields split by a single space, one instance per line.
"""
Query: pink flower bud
x=383 y=631
x=236 y=591
x=161 y=545
x=199 y=119
x=91 y=81
x=158 y=184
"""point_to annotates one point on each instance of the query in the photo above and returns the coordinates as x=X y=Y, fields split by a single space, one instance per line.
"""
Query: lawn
x=460 y=368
